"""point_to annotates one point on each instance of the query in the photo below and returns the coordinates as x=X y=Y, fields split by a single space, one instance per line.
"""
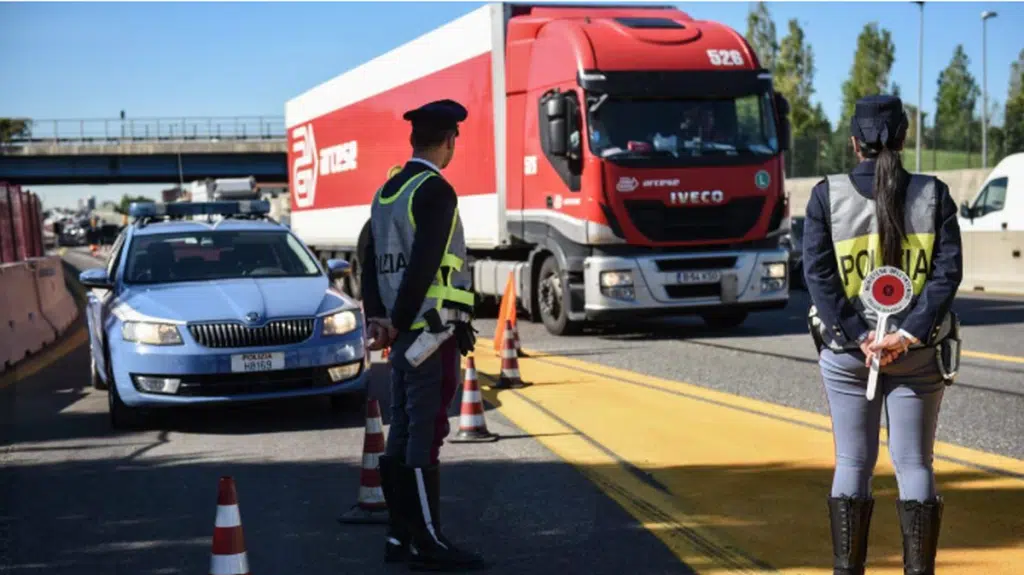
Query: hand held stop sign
x=886 y=291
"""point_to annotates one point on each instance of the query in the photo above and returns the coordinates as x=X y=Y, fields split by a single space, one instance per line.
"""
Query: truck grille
x=660 y=223
x=234 y=334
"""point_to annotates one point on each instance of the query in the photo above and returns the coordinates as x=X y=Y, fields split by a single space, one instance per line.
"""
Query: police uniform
x=415 y=266
x=841 y=245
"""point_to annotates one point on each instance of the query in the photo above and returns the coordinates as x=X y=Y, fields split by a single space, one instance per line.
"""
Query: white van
x=999 y=205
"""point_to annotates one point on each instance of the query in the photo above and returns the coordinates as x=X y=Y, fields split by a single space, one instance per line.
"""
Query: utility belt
x=947 y=348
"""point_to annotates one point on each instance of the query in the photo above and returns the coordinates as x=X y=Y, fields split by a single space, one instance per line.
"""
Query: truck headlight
x=151 y=333
x=773 y=276
x=339 y=323
x=617 y=284
x=775 y=270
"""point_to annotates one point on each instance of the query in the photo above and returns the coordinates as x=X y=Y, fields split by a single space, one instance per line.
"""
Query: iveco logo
x=252 y=317
x=696 y=197
x=661 y=183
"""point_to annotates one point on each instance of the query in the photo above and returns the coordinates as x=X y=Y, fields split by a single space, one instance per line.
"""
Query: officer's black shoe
x=396 y=544
x=920 y=522
x=850 y=518
x=429 y=549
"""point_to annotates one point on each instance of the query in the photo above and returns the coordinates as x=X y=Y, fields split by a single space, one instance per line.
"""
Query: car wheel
x=94 y=376
x=121 y=415
x=553 y=299
x=724 y=319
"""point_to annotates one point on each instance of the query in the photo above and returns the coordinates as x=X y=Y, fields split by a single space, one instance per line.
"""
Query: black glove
x=465 y=337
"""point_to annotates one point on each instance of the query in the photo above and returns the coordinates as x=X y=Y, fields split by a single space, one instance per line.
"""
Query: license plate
x=253 y=362
x=703 y=277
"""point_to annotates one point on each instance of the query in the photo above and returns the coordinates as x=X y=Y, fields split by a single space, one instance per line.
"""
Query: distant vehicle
x=220 y=189
x=188 y=313
x=619 y=160
x=999 y=204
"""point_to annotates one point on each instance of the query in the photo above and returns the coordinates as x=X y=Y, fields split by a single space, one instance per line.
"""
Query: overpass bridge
x=146 y=150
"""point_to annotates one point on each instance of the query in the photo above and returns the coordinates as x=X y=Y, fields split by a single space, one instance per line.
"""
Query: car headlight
x=339 y=323
x=151 y=333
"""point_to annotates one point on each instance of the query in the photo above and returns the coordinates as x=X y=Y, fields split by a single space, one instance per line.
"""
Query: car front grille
x=234 y=334
x=661 y=223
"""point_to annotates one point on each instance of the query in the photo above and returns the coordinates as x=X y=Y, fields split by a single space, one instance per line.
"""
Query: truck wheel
x=724 y=319
x=553 y=299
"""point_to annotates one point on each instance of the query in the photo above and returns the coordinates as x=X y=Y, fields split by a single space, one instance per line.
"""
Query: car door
x=987 y=212
x=99 y=304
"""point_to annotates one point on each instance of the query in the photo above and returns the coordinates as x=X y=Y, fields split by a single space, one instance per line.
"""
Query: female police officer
x=881 y=215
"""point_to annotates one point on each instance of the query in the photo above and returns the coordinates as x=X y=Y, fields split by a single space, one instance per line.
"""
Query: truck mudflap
x=669 y=284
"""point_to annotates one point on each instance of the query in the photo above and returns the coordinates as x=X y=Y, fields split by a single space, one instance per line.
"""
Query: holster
x=947 y=351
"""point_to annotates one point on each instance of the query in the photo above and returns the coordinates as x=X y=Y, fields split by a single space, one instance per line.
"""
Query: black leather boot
x=429 y=549
x=396 y=543
x=850 y=518
x=920 y=522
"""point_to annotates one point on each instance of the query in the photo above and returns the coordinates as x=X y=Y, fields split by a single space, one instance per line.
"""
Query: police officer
x=881 y=215
x=414 y=276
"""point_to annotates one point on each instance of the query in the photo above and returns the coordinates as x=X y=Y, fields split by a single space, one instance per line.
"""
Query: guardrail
x=113 y=131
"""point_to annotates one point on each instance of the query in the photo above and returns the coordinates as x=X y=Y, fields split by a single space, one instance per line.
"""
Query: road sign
x=886 y=291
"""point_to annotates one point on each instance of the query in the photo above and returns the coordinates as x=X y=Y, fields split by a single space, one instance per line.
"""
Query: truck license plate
x=702 y=277
x=254 y=362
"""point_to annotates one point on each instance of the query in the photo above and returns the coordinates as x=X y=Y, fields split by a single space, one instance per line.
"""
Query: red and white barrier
x=35 y=307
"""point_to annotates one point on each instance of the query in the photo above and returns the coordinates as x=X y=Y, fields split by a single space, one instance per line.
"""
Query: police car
x=215 y=302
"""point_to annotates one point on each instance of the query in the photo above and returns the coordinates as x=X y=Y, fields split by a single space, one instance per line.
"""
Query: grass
x=939 y=160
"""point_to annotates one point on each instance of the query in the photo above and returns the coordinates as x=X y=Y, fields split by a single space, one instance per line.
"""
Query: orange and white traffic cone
x=385 y=354
x=515 y=338
x=472 y=427
x=229 y=556
x=370 y=506
x=509 y=361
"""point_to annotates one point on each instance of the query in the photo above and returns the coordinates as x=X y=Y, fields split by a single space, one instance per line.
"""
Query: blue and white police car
x=215 y=302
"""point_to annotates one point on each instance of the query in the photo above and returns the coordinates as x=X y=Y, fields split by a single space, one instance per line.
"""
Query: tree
x=126 y=202
x=794 y=79
x=956 y=99
x=14 y=128
x=761 y=35
x=869 y=74
x=1013 y=116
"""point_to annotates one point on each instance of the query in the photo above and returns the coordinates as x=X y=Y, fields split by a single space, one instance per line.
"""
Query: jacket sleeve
x=947 y=271
x=821 y=274
x=373 y=306
x=433 y=208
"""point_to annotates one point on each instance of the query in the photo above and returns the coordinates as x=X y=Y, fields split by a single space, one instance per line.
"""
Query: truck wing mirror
x=558 y=137
x=555 y=106
x=782 y=105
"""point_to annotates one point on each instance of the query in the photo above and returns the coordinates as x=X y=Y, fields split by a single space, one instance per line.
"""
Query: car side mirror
x=95 y=278
x=337 y=269
x=785 y=137
x=966 y=211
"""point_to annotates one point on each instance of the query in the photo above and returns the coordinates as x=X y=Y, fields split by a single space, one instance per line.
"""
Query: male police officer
x=414 y=285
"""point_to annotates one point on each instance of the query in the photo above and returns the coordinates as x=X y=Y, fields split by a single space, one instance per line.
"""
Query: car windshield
x=677 y=128
x=216 y=255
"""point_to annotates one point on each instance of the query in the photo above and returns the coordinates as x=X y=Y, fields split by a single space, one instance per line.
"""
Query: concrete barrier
x=35 y=307
x=963 y=185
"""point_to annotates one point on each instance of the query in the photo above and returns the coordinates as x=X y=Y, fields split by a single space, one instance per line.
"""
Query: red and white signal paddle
x=886 y=291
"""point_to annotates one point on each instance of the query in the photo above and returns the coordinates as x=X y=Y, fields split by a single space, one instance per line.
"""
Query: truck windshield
x=216 y=255
x=621 y=128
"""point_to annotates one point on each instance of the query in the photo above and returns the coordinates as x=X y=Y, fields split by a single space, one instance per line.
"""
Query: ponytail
x=890 y=197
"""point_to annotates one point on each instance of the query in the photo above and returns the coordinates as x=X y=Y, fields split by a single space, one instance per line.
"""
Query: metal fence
x=815 y=156
x=75 y=131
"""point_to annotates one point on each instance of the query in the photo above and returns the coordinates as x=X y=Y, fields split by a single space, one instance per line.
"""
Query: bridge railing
x=114 y=131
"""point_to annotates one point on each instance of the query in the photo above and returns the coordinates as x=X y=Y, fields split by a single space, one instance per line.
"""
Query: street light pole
x=984 y=87
x=920 y=89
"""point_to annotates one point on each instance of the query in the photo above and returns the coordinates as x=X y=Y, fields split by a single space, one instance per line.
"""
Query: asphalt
x=78 y=498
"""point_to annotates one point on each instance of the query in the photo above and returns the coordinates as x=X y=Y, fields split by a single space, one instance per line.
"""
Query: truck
x=617 y=161
x=220 y=189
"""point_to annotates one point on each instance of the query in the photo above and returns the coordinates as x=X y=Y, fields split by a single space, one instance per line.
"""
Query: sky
x=201 y=59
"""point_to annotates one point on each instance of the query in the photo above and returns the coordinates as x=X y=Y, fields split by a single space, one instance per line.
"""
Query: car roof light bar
x=182 y=209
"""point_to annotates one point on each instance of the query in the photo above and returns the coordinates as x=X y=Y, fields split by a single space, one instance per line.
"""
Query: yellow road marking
x=745 y=471
x=32 y=365
x=993 y=356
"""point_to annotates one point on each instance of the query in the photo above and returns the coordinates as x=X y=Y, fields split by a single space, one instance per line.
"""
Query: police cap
x=437 y=115
x=879 y=121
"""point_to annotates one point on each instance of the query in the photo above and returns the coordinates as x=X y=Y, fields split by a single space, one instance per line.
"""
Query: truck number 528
x=725 y=57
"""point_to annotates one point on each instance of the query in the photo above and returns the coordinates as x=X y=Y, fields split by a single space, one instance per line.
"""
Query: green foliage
x=1013 y=117
x=126 y=202
x=761 y=35
x=956 y=99
x=14 y=128
x=869 y=74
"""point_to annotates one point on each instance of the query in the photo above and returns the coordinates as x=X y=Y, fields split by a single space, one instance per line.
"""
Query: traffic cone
x=385 y=354
x=515 y=339
x=370 y=506
x=509 y=361
x=229 y=556
x=472 y=427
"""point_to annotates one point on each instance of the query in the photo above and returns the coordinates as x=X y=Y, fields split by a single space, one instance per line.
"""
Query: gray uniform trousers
x=910 y=389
